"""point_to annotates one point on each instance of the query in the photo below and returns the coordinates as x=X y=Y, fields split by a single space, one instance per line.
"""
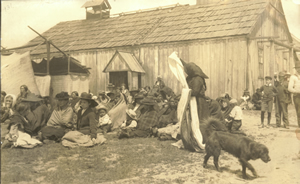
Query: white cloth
x=192 y=127
x=133 y=124
x=105 y=120
x=294 y=84
x=43 y=84
x=236 y=113
x=24 y=140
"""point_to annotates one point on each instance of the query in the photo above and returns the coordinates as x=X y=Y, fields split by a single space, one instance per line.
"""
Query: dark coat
x=268 y=92
x=86 y=122
x=196 y=82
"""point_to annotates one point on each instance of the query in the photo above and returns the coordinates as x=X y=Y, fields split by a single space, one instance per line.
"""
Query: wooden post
x=69 y=64
x=291 y=54
x=48 y=57
x=272 y=58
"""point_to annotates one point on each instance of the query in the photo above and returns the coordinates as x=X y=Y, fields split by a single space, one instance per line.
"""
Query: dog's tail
x=210 y=125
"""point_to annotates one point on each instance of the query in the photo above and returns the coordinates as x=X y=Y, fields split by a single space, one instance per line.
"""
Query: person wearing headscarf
x=159 y=82
x=3 y=94
x=8 y=108
x=24 y=91
x=17 y=136
x=60 y=121
x=196 y=82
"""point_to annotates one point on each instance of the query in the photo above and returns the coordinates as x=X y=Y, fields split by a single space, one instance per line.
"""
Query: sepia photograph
x=150 y=91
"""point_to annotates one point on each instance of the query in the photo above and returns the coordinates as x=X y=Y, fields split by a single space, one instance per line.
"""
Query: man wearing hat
x=281 y=102
x=60 y=120
x=268 y=91
x=294 y=87
x=256 y=99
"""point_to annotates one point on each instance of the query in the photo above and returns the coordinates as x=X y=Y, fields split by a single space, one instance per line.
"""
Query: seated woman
x=168 y=115
x=102 y=99
x=128 y=125
x=226 y=108
x=61 y=119
x=104 y=123
x=8 y=109
x=136 y=105
x=24 y=91
x=16 y=135
x=37 y=115
x=148 y=121
x=86 y=134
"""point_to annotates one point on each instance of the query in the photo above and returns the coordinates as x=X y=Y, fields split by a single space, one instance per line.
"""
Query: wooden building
x=236 y=43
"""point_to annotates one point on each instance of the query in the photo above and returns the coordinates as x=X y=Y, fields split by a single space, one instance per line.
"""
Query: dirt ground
x=152 y=161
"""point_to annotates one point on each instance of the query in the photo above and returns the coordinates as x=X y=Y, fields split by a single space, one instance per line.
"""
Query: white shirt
x=294 y=84
x=133 y=124
x=236 y=113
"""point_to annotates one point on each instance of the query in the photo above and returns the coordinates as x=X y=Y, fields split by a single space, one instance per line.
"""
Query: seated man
x=60 y=120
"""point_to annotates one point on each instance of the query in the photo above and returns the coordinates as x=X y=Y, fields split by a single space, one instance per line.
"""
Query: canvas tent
x=16 y=70
x=66 y=74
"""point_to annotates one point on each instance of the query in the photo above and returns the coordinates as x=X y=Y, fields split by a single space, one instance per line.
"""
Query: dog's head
x=259 y=151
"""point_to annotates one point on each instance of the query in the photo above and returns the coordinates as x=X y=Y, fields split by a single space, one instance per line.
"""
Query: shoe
x=261 y=126
x=286 y=127
x=267 y=126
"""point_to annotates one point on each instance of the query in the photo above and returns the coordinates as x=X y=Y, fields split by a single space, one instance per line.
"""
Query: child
x=104 y=120
x=268 y=92
x=246 y=99
x=234 y=121
x=128 y=125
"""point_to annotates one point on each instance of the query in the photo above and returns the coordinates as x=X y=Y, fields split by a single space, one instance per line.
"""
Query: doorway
x=117 y=78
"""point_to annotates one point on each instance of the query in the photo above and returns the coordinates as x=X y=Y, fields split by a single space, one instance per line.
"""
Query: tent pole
x=68 y=64
x=48 y=56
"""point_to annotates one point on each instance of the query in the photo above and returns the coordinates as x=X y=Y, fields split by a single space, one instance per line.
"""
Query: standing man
x=294 y=87
x=268 y=91
x=281 y=102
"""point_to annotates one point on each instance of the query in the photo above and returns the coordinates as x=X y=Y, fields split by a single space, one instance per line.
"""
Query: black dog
x=209 y=126
x=239 y=146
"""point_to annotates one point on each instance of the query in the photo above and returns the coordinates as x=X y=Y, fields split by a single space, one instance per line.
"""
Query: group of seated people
x=29 y=117
x=145 y=112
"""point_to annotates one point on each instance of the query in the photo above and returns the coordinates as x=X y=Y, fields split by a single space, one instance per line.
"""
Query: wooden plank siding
x=223 y=60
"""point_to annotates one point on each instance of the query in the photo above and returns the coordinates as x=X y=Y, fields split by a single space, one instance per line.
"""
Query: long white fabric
x=191 y=127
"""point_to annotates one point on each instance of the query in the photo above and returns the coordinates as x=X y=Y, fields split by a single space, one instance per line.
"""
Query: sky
x=41 y=15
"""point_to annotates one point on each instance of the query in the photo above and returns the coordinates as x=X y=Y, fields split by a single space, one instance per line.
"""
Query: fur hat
x=88 y=97
x=62 y=96
x=131 y=113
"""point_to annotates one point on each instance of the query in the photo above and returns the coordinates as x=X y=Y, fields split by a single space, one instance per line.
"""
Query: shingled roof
x=178 y=23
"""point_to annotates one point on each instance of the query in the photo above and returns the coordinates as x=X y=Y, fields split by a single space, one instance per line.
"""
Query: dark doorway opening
x=117 y=78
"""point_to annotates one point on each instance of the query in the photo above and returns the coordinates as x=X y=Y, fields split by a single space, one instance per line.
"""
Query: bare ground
x=151 y=161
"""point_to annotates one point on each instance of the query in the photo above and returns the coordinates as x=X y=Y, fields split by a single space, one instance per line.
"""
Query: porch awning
x=123 y=61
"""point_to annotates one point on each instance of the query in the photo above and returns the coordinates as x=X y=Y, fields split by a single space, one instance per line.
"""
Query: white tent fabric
x=16 y=70
x=43 y=83
x=192 y=136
